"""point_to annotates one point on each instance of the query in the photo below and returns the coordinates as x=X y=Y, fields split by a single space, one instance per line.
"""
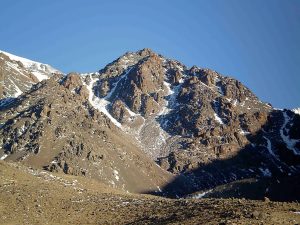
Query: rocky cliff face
x=207 y=128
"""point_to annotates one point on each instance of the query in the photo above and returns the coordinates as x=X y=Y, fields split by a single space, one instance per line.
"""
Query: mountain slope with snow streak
x=206 y=128
x=185 y=117
x=18 y=74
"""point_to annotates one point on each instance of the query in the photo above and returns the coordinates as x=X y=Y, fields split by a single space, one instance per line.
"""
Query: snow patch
x=116 y=174
x=171 y=94
x=102 y=103
x=242 y=132
x=40 y=76
x=17 y=89
x=218 y=119
x=159 y=189
x=269 y=146
x=3 y=157
x=21 y=130
x=39 y=70
x=221 y=92
x=235 y=102
x=297 y=111
x=168 y=86
x=216 y=112
x=31 y=65
x=131 y=113
x=54 y=161
x=290 y=143
x=266 y=172
x=201 y=195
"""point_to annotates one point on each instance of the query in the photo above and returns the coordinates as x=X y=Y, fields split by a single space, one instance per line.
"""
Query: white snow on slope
x=172 y=94
x=3 y=157
x=131 y=113
x=216 y=116
x=218 y=119
x=266 y=172
x=242 y=132
x=269 y=146
x=15 y=67
x=40 y=70
x=40 y=76
x=297 y=111
x=165 y=109
x=290 y=143
x=102 y=103
x=17 y=89
x=116 y=174
x=201 y=195
x=168 y=85
x=221 y=92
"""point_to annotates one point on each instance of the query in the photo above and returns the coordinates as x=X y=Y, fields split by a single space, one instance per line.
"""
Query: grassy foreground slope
x=30 y=196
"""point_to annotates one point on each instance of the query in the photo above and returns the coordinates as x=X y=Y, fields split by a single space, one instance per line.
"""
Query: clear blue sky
x=255 y=41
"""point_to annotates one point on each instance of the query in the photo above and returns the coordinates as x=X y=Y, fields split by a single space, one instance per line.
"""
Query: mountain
x=19 y=74
x=149 y=124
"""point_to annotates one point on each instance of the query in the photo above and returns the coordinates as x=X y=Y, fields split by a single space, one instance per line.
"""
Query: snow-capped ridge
x=40 y=70
x=19 y=74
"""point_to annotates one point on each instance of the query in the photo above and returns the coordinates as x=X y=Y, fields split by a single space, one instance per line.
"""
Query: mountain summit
x=145 y=123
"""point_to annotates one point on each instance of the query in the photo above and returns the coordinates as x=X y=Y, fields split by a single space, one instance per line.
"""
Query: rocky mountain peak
x=207 y=128
x=146 y=52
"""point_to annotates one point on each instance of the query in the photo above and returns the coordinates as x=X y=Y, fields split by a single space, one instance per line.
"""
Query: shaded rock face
x=264 y=154
x=205 y=127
